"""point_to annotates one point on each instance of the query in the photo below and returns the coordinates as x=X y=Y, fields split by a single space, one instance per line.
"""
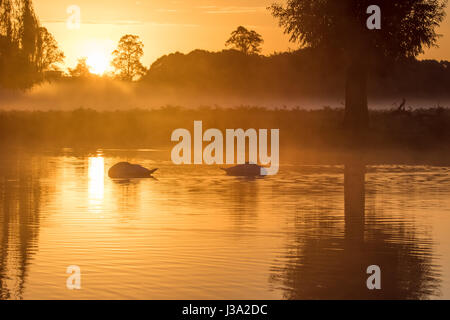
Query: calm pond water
x=194 y=233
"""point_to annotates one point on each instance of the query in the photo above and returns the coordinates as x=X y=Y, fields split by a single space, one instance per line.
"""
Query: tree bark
x=356 y=109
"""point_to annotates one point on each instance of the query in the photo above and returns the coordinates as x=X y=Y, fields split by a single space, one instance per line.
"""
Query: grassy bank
x=423 y=133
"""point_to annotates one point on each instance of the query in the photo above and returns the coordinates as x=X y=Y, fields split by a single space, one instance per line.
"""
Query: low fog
x=107 y=94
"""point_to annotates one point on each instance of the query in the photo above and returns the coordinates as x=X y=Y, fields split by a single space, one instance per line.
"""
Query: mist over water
x=104 y=94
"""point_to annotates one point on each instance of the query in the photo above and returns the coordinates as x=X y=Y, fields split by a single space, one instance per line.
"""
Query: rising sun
x=98 y=62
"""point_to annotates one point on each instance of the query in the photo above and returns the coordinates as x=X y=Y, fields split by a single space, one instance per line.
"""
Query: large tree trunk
x=356 y=109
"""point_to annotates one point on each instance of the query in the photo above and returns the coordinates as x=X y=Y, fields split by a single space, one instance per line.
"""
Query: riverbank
x=316 y=136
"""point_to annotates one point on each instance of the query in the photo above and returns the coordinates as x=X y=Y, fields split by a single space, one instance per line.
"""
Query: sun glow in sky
x=98 y=62
x=98 y=54
x=167 y=26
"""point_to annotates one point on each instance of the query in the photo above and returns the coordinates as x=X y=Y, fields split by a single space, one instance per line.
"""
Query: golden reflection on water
x=96 y=187
x=194 y=233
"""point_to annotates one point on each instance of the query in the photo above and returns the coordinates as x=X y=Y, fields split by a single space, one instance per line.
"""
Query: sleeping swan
x=246 y=170
x=128 y=170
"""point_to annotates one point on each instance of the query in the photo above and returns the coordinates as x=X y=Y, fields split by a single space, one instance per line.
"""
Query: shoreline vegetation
x=401 y=136
x=305 y=77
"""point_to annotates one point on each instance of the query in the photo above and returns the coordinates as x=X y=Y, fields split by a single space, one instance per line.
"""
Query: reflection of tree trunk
x=356 y=110
x=328 y=266
x=5 y=237
x=354 y=195
x=19 y=228
x=355 y=251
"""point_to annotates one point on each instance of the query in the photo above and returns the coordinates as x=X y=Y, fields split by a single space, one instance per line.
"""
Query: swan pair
x=126 y=170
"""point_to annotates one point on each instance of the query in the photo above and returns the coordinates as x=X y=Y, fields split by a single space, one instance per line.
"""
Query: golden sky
x=167 y=26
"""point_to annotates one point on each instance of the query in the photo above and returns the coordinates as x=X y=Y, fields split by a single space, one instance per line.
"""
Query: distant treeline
x=423 y=132
x=306 y=72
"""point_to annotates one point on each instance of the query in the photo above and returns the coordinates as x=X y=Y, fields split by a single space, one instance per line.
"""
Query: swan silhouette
x=123 y=170
x=245 y=170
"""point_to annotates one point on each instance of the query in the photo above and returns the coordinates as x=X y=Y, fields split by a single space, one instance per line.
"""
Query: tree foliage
x=81 y=69
x=408 y=26
x=27 y=50
x=127 y=58
x=48 y=52
x=246 y=41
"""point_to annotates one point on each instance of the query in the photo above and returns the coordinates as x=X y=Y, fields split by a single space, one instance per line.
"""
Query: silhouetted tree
x=6 y=22
x=81 y=69
x=246 y=41
x=26 y=48
x=127 y=58
x=29 y=33
x=48 y=52
x=407 y=27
